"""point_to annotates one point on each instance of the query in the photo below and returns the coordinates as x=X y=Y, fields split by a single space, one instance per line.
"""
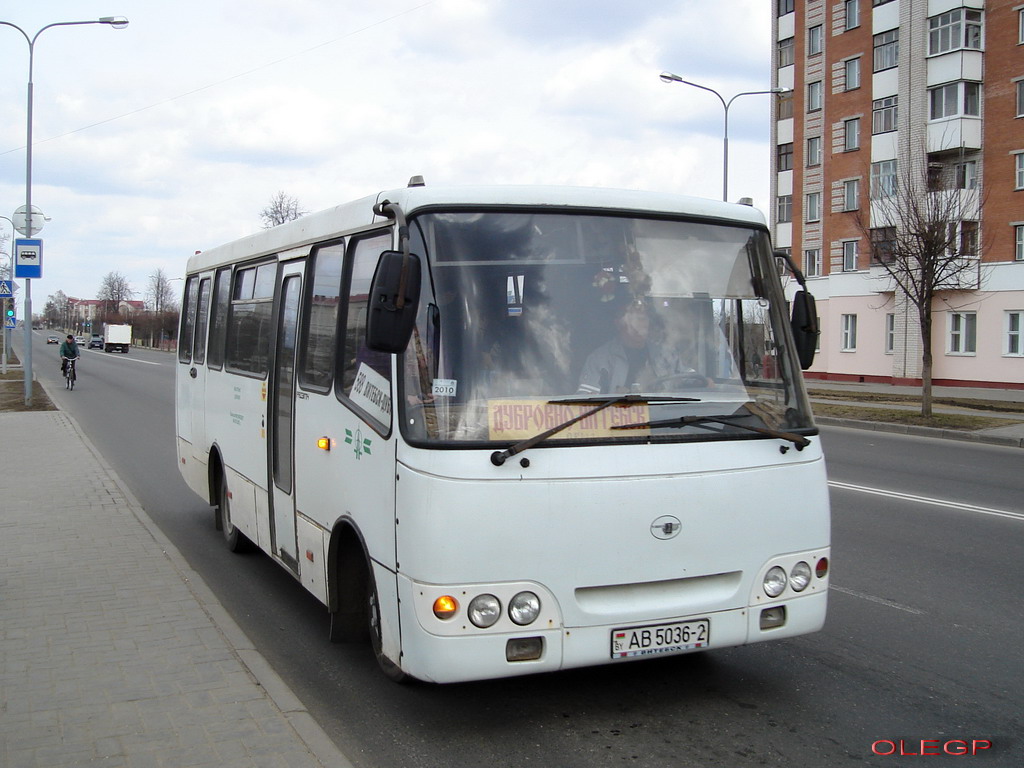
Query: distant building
x=89 y=311
x=878 y=85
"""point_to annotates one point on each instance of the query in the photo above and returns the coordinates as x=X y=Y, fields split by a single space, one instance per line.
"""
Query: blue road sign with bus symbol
x=28 y=258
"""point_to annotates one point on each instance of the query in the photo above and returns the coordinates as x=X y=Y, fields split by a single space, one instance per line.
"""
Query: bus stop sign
x=28 y=258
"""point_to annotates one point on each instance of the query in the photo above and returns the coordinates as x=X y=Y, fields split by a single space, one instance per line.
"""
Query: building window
x=784 y=156
x=849 y=340
x=883 y=240
x=953 y=99
x=786 y=52
x=812 y=262
x=1018 y=160
x=849 y=256
x=883 y=115
x=784 y=209
x=785 y=108
x=890 y=333
x=785 y=6
x=851 y=134
x=1020 y=26
x=968 y=238
x=852 y=69
x=813 y=151
x=883 y=179
x=953 y=30
x=963 y=331
x=887 y=50
x=1018 y=240
x=1014 y=333
x=812 y=210
x=851 y=195
x=966 y=174
x=852 y=13
x=814 y=93
x=814 y=40
x=1020 y=98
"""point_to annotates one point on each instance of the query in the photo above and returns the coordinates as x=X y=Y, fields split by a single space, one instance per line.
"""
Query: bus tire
x=234 y=539
x=391 y=670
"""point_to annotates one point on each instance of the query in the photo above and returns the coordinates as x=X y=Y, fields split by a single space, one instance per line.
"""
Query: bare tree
x=923 y=230
x=57 y=310
x=161 y=321
x=114 y=289
x=159 y=292
x=281 y=208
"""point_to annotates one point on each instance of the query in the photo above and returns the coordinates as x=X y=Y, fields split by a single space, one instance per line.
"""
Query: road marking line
x=927 y=500
x=879 y=600
x=132 y=360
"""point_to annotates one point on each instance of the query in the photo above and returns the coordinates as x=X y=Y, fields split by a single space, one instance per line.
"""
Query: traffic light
x=8 y=309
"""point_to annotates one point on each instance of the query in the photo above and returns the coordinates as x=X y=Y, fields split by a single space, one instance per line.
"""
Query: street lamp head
x=781 y=90
x=117 y=22
x=668 y=77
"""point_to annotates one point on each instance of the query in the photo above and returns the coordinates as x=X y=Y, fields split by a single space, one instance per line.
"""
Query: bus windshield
x=528 y=319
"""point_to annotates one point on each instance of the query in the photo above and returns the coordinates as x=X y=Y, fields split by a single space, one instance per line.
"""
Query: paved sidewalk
x=1011 y=435
x=113 y=652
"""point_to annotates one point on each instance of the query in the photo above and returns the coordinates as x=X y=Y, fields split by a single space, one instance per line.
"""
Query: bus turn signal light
x=445 y=607
x=324 y=443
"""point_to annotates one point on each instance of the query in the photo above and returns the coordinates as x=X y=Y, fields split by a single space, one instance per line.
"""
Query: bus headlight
x=774 y=581
x=524 y=608
x=800 y=576
x=484 y=610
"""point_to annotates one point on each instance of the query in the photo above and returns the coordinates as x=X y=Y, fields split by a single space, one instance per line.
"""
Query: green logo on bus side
x=360 y=445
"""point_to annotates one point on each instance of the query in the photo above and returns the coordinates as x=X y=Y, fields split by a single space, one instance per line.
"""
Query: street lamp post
x=668 y=77
x=117 y=22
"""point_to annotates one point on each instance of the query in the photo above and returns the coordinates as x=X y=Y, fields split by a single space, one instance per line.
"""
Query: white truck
x=117 y=337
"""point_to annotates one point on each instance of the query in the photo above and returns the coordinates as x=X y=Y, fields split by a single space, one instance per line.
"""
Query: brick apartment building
x=880 y=87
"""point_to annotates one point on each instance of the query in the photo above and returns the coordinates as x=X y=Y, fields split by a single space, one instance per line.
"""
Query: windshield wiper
x=799 y=441
x=499 y=457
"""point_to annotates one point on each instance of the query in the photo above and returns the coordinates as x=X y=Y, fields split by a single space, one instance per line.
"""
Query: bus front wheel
x=387 y=666
x=234 y=539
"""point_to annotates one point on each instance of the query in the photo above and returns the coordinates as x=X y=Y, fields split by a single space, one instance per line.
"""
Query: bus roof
x=342 y=219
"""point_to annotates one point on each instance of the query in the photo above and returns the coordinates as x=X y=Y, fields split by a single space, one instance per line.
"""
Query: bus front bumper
x=479 y=654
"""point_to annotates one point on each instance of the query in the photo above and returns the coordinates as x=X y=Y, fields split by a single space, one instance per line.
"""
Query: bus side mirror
x=805 y=327
x=393 y=300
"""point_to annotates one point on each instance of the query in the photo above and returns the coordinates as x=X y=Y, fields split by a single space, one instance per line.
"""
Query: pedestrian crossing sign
x=6 y=289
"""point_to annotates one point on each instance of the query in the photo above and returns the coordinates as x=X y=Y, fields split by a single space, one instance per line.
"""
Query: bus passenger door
x=282 y=418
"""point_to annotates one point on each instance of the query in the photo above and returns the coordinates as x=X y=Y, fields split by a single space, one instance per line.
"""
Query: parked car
x=96 y=342
x=52 y=340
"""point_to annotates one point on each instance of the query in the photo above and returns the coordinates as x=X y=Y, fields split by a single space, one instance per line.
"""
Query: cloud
x=200 y=112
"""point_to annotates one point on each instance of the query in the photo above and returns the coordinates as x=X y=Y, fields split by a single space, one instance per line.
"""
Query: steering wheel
x=687 y=380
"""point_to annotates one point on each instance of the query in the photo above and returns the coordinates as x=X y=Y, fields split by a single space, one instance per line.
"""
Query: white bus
x=509 y=430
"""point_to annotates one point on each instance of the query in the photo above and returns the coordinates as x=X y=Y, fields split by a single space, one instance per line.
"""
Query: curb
x=294 y=711
x=905 y=429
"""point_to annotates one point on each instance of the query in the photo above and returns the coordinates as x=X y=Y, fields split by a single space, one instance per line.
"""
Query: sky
x=170 y=136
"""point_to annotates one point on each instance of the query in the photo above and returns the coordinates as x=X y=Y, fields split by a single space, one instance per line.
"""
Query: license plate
x=660 y=638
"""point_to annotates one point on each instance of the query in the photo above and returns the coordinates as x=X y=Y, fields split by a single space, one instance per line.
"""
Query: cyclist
x=68 y=351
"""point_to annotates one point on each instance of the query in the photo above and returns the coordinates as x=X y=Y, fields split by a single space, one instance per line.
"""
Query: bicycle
x=69 y=373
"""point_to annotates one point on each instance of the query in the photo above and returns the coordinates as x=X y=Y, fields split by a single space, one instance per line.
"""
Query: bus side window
x=219 y=318
x=359 y=363
x=202 y=322
x=316 y=369
x=188 y=320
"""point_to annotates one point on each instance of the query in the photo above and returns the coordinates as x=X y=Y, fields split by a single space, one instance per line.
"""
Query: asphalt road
x=922 y=644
